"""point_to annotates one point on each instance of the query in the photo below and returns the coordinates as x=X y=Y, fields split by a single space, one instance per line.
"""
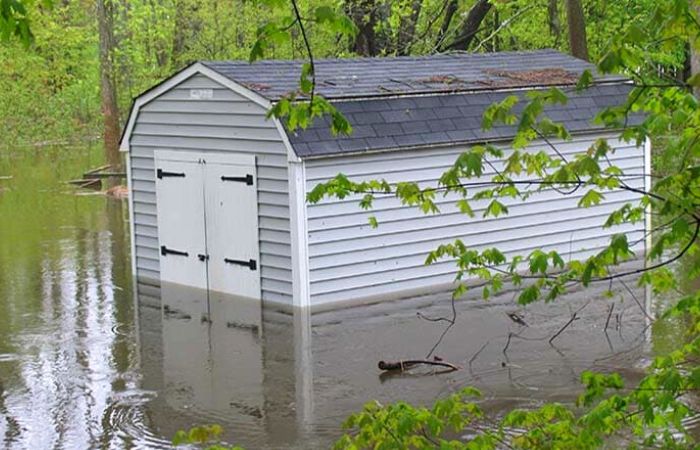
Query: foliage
x=45 y=42
x=51 y=91
x=207 y=435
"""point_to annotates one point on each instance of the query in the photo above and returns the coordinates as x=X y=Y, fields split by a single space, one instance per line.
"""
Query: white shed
x=218 y=189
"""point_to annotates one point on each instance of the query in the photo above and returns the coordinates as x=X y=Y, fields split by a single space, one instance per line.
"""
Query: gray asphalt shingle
x=403 y=102
x=400 y=127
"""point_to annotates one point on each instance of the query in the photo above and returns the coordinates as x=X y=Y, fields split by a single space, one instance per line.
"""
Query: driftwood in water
x=410 y=363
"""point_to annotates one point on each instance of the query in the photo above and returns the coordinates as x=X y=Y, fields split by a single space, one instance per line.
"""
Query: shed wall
x=349 y=260
x=227 y=122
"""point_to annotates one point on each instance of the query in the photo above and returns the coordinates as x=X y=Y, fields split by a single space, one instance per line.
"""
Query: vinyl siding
x=225 y=123
x=348 y=259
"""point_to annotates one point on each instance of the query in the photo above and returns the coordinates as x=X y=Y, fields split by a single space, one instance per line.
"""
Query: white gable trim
x=196 y=68
x=291 y=154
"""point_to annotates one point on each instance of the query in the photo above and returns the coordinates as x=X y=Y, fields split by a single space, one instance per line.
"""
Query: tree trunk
x=471 y=26
x=450 y=11
x=364 y=14
x=407 y=29
x=577 y=29
x=694 y=66
x=187 y=27
x=110 y=111
x=554 y=22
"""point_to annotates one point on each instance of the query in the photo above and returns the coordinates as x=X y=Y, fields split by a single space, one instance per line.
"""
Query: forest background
x=71 y=79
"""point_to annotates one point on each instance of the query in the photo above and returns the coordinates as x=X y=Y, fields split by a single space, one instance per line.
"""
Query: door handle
x=251 y=263
x=168 y=251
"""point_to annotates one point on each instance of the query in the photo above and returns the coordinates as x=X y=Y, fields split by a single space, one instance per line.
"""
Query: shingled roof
x=408 y=102
x=442 y=119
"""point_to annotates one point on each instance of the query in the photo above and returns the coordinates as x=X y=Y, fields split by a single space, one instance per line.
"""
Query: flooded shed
x=218 y=189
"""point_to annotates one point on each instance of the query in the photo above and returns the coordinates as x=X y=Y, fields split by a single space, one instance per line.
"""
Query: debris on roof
x=541 y=77
x=338 y=79
x=260 y=87
x=441 y=79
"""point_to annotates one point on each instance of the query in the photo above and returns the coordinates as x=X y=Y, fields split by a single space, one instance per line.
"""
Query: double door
x=208 y=221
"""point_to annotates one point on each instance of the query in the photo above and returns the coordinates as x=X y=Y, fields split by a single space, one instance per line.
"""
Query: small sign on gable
x=201 y=94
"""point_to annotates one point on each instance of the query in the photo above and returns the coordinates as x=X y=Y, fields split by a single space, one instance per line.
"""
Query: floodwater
x=89 y=360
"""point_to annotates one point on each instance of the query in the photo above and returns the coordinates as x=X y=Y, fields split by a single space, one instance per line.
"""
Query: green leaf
x=373 y=222
x=495 y=209
x=591 y=198
x=465 y=207
x=585 y=80
x=529 y=295
x=538 y=262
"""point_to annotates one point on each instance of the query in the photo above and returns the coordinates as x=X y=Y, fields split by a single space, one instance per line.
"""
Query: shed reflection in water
x=284 y=382
x=217 y=363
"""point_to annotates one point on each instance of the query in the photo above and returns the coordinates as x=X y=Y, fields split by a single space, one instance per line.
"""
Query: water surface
x=90 y=360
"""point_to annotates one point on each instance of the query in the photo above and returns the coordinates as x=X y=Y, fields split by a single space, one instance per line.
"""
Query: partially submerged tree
x=108 y=88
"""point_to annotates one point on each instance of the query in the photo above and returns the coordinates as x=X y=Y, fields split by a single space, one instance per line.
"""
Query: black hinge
x=248 y=179
x=160 y=173
x=251 y=264
x=167 y=251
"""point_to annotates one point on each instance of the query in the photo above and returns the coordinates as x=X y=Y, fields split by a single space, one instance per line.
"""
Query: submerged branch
x=404 y=365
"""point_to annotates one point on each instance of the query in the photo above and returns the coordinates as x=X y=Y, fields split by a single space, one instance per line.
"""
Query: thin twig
x=505 y=349
x=566 y=325
x=309 y=53
x=610 y=310
x=473 y=358
x=574 y=317
x=636 y=300
x=503 y=24
x=447 y=328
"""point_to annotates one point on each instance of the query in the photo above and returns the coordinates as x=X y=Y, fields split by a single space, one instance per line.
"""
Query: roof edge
x=605 y=131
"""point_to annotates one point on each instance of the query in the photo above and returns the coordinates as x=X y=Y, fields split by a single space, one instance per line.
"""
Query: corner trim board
x=301 y=292
x=132 y=225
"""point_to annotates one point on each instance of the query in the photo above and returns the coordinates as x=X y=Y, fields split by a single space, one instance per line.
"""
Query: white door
x=232 y=225
x=208 y=221
x=181 y=230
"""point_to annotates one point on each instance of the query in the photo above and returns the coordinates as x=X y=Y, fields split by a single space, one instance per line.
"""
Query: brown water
x=87 y=363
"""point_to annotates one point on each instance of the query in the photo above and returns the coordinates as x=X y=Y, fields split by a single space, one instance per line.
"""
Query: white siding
x=227 y=122
x=348 y=259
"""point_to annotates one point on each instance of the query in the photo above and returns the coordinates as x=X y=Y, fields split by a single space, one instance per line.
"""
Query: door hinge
x=160 y=173
x=167 y=251
x=248 y=179
x=251 y=263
